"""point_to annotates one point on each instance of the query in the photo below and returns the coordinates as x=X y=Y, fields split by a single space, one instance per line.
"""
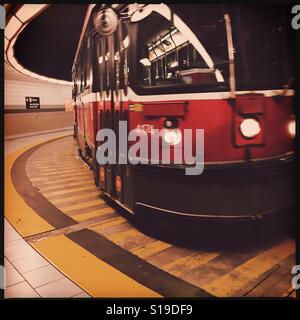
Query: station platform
x=84 y=247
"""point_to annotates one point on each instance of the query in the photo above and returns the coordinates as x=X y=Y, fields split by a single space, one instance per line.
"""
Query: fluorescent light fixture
x=145 y=62
x=12 y=27
x=6 y=43
x=13 y=61
x=27 y=11
x=10 y=54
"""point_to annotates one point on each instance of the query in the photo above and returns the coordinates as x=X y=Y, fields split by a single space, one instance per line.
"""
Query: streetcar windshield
x=189 y=52
x=263 y=40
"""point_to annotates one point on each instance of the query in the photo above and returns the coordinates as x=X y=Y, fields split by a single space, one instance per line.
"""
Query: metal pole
x=231 y=56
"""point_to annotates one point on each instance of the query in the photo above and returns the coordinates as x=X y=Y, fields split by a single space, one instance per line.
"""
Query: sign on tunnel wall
x=32 y=102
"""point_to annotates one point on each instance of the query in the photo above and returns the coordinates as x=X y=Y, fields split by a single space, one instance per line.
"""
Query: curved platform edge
x=16 y=211
x=95 y=264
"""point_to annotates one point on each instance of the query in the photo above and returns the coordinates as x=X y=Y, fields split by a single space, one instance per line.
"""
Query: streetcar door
x=125 y=170
x=109 y=105
x=104 y=172
x=114 y=179
x=98 y=84
x=117 y=183
x=120 y=176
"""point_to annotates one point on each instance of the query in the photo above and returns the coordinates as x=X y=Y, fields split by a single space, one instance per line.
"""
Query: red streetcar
x=226 y=69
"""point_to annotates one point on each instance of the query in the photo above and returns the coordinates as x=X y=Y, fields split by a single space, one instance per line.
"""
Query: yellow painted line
x=24 y=219
x=232 y=282
x=96 y=277
x=78 y=197
x=68 y=190
x=51 y=166
x=60 y=177
x=47 y=167
x=54 y=173
x=67 y=186
x=151 y=249
x=192 y=261
x=92 y=214
x=75 y=184
x=123 y=235
x=63 y=181
x=108 y=224
x=82 y=205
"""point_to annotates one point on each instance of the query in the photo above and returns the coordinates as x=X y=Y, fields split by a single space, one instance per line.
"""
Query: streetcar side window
x=106 y=57
x=100 y=64
x=116 y=62
x=85 y=63
x=80 y=72
x=124 y=43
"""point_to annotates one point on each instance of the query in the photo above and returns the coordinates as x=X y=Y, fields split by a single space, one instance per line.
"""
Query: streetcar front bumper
x=224 y=195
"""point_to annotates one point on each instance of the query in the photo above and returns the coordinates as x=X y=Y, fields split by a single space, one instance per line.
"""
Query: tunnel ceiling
x=48 y=44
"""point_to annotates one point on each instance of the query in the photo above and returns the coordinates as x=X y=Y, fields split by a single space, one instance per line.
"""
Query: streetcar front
x=215 y=80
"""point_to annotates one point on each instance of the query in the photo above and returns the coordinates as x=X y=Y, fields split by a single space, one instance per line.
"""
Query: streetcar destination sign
x=32 y=102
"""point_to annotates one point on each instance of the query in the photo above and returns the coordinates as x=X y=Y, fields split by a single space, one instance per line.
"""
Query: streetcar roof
x=85 y=24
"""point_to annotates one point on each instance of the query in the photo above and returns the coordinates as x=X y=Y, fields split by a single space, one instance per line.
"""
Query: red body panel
x=218 y=119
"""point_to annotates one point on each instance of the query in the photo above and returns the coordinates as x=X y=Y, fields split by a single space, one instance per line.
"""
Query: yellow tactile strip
x=96 y=277
x=99 y=278
x=16 y=211
x=221 y=272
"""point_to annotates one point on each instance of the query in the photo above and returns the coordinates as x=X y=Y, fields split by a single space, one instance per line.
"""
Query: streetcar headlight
x=172 y=137
x=292 y=128
x=250 y=128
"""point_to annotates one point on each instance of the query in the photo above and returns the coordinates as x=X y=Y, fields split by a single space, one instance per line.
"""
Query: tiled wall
x=51 y=95
x=19 y=121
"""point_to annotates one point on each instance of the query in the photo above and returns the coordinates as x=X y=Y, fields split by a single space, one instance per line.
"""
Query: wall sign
x=32 y=102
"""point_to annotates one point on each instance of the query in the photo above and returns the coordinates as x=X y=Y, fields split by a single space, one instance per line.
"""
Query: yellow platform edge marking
x=82 y=205
x=68 y=186
x=68 y=190
x=119 y=237
x=109 y=223
x=150 y=249
x=59 y=177
x=238 y=278
x=24 y=219
x=95 y=276
x=62 y=173
x=69 y=199
x=63 y=181
x=193 y=261
x=95 y=213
